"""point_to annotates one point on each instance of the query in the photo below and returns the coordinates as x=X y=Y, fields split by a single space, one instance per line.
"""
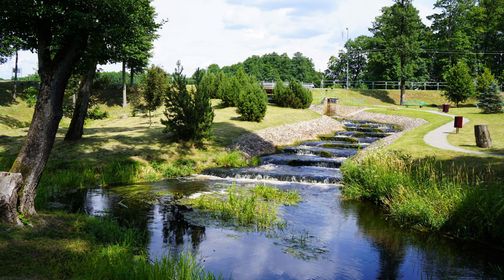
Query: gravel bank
x=404 y=122
x=266 y=140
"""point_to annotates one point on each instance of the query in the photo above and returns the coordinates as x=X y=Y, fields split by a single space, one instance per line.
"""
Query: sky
x=203 y=32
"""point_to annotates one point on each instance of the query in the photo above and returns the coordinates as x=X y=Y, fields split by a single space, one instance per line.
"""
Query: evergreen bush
x=294 y=96
x=252 y=103
x=489 y=97
x=189 y=113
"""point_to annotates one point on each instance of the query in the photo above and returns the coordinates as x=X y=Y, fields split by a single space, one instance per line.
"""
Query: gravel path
x=266 y=140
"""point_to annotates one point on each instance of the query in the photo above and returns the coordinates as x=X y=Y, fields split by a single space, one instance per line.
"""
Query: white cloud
x=201 y=32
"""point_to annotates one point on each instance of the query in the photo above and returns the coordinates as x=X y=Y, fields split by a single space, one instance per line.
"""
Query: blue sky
x=202 y=32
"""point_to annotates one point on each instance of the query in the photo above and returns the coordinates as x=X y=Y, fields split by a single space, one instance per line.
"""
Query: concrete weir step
x=336 y=144
x=302 y=160
x=369 y=129
x=308 y=174
x=320 y=151
x=360 y=134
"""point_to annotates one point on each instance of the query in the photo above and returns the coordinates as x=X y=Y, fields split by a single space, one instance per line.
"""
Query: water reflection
x=341 y=239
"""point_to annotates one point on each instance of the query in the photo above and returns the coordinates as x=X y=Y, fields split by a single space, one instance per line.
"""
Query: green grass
x=256 y=207
x=430 y=194
x=376 y=97
x=466 y=139
x=64 y=246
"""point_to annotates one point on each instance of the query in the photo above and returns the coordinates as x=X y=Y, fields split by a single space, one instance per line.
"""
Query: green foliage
x=256 y=207
x=232 y=160
x=459 y=83
x=189 y=114
x=253 y=103
x=30 y=96
x=154 y=86
x=399 y=31
x=96 y=113
x=294 y=96
x=354 y=56
x=209 y=84
x=228 y=90
x=273 y=66
x=425 y=194
x=489 y=96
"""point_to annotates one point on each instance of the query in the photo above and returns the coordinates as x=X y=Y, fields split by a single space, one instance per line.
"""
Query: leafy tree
x=120 y=44
x=189 y=114
x=453 y=32
x=155 y=86
x=253 y=102
x=459 y=83
x=400 y=32
x=489 y=96
x=355 y=56
x=60 y=32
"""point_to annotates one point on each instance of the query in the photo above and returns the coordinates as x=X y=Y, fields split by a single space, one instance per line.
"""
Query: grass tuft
x=256 y=207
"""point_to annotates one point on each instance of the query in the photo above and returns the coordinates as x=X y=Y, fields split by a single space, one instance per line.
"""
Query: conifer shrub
x=229 y=91
x=252 y=103
x=489 y=97
x=189 y=114
x=294 y=96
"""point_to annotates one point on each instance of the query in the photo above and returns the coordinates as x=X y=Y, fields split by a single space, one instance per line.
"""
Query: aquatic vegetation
x=256 y=207
x=428 y=194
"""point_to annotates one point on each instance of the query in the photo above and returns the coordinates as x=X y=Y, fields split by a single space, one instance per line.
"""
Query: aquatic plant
x=256 y=207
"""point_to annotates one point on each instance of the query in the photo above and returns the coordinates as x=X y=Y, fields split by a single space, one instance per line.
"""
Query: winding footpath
x=438 y=138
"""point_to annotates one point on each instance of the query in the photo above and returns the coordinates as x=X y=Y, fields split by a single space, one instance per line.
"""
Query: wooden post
x=482 y=135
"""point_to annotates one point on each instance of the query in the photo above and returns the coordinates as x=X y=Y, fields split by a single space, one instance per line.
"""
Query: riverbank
x=428 y=189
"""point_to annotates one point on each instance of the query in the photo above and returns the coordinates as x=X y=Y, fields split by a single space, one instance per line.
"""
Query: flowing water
x=325 y=237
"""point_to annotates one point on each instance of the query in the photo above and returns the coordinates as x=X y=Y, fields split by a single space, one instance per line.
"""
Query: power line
x=431 y=51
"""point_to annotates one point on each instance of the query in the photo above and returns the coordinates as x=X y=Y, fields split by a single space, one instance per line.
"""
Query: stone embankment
x=266 y=140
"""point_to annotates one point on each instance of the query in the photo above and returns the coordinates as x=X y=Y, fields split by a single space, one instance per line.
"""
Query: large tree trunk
x=32 y=158
x=124 y=102
x=76 y=128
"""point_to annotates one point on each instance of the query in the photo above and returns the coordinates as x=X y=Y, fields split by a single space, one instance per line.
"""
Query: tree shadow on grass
x=12 y=122
x=381 y=95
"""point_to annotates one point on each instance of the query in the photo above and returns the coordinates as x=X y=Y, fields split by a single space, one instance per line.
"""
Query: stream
x=325 y=237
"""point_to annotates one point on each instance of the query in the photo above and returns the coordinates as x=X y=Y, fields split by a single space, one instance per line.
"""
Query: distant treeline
x=273 y=67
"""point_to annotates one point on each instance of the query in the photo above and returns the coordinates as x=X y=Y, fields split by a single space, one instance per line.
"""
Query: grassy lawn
x=376 y=97
x=465 y=139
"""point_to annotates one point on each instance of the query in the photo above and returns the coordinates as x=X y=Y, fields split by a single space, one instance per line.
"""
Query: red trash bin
x=458 y=123
x=446 y=108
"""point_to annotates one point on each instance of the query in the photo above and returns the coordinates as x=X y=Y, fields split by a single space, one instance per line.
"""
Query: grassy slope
x=376 y=97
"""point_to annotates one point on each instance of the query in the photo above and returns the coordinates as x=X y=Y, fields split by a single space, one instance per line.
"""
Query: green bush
x=294 y=96
x=96 y=113
x=489 y=97
x=228 y=90
x=253 y=103
x=30 y=96
x=189 y=113
x=209 y=84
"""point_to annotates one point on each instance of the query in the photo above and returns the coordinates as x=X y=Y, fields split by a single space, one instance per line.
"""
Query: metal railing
x=383 y=85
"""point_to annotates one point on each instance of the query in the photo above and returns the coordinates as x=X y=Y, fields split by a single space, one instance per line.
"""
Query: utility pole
x=347 y=61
